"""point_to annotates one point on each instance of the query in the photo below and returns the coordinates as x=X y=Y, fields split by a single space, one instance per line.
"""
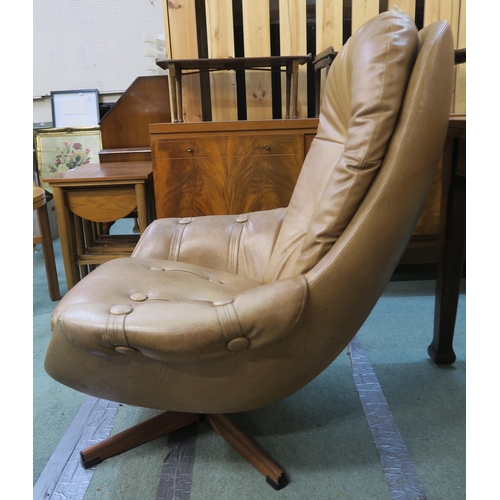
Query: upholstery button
x=238 y=344
x=156 y=268
x=212 y=280
x=242 y=218
x=138 y=296
x=185 y=220
x=222 y=302
x=128 y=351
x=121 y=309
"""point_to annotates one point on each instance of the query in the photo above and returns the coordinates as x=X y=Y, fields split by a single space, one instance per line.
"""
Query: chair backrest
x=385 y=67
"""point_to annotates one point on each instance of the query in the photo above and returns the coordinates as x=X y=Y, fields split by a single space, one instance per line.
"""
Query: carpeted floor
x=321 y=435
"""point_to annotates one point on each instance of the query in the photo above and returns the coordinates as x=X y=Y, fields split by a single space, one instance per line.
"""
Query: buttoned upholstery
x=222 y=314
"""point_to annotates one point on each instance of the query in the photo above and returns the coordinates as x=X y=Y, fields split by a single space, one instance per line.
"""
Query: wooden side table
x=89 y=196
x=176 y=67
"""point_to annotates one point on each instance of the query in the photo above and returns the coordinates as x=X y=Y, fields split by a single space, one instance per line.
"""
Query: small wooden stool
x=45 y=238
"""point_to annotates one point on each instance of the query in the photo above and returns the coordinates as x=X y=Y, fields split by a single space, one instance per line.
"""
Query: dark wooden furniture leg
x=178 y=82
x=451 y=252
x=173 y=90
x=288 y=89
x=295 y=89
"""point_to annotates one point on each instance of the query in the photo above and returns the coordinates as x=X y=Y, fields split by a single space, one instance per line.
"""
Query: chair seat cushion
x=175 y=312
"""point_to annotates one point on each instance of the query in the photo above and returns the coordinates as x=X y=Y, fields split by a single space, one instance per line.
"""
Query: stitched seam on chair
x=175 y=243
x=229 y=321
x=198 y=274
x=234 y=246
x=115 y=330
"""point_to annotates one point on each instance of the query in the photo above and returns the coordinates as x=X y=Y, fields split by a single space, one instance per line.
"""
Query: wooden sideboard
x=214 y=168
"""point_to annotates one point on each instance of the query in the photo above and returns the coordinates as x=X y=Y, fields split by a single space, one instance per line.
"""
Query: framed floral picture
x=61 y=149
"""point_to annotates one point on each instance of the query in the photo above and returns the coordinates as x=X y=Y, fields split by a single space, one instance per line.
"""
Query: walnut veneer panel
x=226 y=168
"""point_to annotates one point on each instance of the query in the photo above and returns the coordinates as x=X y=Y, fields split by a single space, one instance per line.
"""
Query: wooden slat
x=168 y=45
x=166 y=29
x=183 y=41
x=257 y=42
x=329 y=24
x=437 y=9
x=221 y=44
x=293 y=41
x=450 y=10
x=362 y=11
x=329 y=28
x=461 y=68
x=409 y=6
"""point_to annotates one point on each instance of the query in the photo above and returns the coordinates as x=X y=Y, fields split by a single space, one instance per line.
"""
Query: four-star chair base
x=170 y=421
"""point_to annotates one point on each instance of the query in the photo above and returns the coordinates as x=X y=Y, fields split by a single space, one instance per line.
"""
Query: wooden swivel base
x=170 y=421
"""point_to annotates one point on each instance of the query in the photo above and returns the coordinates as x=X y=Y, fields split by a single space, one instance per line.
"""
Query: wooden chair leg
x=171 y=421
x=148 y=430
x=249 y=449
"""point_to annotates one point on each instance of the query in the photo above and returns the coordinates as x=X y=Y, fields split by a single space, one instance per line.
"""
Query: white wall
x=91 y=44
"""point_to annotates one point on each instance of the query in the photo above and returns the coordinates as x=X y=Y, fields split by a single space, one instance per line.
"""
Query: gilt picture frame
x=61 y=149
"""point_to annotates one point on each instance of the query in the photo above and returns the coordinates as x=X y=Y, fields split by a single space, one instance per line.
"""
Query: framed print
x=75 y=108
x=58 y=150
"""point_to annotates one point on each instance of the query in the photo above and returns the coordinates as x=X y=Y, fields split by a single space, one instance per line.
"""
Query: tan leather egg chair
x=220 y=314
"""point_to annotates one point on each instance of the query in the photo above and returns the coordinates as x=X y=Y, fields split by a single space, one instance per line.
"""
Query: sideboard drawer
x=190 y=148
x=258 y=145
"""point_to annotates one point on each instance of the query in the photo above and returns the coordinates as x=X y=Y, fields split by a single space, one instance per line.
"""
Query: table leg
x=178 y=80
x=295 y=88
x=288 y=90
x=142 y=206
x=66 y=237
x=48 y=252
x=172 y=84
x=80 y=243
x=449 y=266
x=317 y=91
